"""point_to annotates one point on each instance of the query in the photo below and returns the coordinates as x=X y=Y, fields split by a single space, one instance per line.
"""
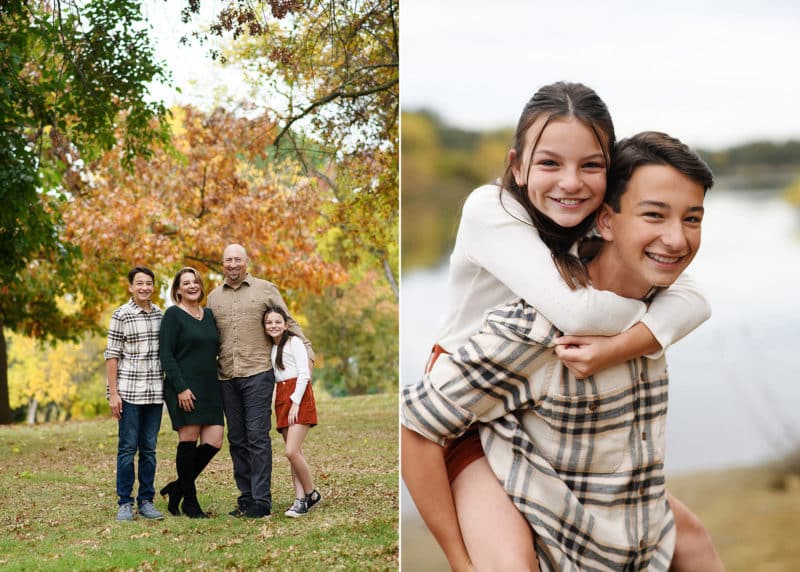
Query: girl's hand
x=186 y=400
x=293 y=411
x=586 y=355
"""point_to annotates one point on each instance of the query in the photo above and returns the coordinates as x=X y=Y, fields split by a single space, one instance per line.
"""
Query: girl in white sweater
x=295 y=409
x=517 y=239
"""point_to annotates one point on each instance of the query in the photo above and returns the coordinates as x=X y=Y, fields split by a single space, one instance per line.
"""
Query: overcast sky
x=713 y=73
x=202 y=81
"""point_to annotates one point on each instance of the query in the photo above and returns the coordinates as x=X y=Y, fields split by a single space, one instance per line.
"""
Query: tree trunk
x=33 y=405
x=387 y=271
x=5 y=404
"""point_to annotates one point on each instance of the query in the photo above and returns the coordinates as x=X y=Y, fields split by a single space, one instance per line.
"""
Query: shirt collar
x=246 y=280
x=137 y=308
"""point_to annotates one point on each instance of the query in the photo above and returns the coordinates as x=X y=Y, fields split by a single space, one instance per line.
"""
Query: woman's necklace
x=197 y=314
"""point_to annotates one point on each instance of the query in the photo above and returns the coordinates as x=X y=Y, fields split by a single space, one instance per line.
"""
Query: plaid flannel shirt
x=133 y=340
x=582 y=459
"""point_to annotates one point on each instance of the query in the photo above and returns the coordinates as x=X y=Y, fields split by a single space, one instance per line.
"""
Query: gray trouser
x=248 y=408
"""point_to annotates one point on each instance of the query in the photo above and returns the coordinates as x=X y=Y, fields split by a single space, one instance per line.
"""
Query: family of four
x=207 y=364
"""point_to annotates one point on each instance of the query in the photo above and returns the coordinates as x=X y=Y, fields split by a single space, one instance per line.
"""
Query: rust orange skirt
x=307 y=415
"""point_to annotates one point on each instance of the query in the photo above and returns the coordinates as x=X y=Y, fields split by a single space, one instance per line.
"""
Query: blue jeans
x=138 y=429
x=248 y=408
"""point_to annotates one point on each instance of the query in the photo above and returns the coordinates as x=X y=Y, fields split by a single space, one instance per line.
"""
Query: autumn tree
x=181 y=206
x=329 y=73
x=64 y=378
x=330 y=68
x=74 y=77
x=356 y=327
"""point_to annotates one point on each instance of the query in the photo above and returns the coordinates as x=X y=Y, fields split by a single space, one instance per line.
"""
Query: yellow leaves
x=50 y=373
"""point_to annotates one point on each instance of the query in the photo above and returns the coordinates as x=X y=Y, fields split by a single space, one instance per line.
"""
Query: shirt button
x=642 y=491
x=644 y=435
x=642 y=543
x=642 y=376
x=593 y=407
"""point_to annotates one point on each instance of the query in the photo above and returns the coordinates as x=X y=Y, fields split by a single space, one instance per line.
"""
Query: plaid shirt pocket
x=589 y=433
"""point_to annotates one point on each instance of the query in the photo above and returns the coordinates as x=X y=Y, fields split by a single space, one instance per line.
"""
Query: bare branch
x=338 y=94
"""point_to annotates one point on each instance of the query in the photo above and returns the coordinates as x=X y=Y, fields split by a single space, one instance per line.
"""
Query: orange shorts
x=461 y=451
x=308 y=408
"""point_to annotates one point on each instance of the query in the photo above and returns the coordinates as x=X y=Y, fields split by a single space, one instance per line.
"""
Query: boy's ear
x=604 y=222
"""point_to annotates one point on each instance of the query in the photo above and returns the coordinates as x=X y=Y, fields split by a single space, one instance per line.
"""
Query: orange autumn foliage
x=181 y=207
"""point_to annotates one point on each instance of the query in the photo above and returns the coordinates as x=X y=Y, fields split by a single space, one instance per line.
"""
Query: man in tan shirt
x=245 y=372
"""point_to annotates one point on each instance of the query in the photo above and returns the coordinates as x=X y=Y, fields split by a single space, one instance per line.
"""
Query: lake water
x=734 y=387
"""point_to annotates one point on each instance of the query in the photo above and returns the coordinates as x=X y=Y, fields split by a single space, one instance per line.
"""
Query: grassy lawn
x=753 y=515
x=58 y=501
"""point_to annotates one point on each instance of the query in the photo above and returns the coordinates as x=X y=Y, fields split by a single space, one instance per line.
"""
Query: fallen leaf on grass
x=264 y=533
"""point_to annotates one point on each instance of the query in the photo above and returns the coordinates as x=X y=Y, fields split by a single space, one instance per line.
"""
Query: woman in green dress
x=189 y=342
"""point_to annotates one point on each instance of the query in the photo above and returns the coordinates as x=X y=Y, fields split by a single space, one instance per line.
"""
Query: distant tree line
x=759 y=164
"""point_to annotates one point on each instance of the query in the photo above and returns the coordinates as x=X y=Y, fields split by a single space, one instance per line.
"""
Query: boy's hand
x=115 y=402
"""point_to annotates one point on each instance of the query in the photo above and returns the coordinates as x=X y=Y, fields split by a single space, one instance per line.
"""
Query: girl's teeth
x=664 y=259
x=569 y=202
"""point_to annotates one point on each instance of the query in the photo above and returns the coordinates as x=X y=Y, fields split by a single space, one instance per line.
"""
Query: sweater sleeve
x=676 y=312
x=502 y=241
x=167 y=350
x=301 y=364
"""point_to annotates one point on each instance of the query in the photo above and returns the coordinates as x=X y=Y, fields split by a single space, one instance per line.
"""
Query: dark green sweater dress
x=188 y=349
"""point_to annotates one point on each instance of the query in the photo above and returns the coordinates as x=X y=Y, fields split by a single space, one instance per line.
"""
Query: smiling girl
x=295 y=409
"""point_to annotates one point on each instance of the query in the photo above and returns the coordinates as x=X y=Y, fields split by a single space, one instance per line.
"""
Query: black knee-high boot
x=172 y=490
x=185 y=461
x=202 y=457
x=173 y=493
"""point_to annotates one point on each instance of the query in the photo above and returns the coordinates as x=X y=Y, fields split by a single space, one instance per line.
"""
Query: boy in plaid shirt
x=581 y=459
x=136 y=392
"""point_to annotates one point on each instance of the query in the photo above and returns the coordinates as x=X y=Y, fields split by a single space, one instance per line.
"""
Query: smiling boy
x=136 y=392
x=582 y=459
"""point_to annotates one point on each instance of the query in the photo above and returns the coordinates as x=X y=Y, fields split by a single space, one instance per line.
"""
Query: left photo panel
x=200 y=284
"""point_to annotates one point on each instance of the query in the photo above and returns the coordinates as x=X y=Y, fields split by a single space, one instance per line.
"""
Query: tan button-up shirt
x=582 y=459
x=244 y=345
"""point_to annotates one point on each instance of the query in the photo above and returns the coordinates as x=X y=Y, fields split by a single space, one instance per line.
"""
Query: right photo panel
x=600 y=258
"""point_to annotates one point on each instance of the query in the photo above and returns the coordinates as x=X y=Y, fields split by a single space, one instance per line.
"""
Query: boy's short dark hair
x=136 y=270
x=652 y=148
